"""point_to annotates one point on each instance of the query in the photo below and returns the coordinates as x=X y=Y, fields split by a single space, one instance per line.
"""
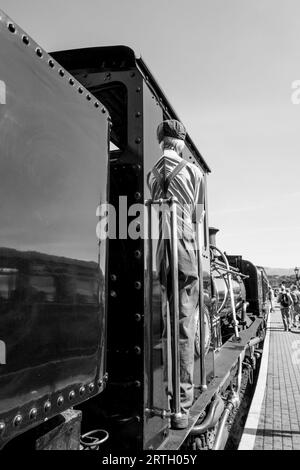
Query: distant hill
x=277 y=275
x=280 y=271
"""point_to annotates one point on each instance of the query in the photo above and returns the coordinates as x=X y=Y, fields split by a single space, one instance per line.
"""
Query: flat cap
x=171 y=128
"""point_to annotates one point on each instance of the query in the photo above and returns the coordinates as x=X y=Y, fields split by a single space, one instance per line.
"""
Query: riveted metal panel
x=109 y=76
x=54 y=166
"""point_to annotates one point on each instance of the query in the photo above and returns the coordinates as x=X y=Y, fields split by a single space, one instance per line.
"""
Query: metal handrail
x=172 y=203
x=203 y=383
x=149 y=292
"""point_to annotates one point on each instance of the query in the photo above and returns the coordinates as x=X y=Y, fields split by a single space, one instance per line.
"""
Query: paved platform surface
x=274 y=422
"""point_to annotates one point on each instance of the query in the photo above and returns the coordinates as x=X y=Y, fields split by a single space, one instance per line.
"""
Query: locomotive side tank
x=256 y=284
x=54 y=169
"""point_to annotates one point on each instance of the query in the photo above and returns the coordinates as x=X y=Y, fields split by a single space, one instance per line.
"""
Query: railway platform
x=273 y=421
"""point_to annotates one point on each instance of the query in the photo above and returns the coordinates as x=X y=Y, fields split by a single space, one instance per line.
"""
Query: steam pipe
x=232 y=403
x=215 y=411
x=235 y=322
x=244 y=311
x=231 y=270
x=254 y=341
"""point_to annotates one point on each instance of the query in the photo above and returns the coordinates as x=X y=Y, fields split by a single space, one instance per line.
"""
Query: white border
x=249 y=435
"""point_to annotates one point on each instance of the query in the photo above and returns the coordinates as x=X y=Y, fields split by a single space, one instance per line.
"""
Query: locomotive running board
x=226 y=360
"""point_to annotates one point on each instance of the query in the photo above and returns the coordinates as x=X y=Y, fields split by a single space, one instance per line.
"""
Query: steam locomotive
x=81 y=319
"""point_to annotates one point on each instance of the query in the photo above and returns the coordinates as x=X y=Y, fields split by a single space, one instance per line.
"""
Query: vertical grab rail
x=149 y=270
x=203 y=384
x=175 y=311
x=172 y=204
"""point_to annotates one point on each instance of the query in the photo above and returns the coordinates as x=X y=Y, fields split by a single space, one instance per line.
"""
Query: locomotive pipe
x=232 y=403
x=201 y=309
x=231 y=270
x=254 y=341
x=235 y=322
x=244 y=312
x=215 y=412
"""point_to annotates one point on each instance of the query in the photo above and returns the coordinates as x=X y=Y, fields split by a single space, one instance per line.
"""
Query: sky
x=227 y=67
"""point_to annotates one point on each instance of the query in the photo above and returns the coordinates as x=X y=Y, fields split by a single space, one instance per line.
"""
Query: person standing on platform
x=286 y=303
x=295 y=294
x=271 y=299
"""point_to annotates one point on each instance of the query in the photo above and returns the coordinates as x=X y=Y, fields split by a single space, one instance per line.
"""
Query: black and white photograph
x=149 y=228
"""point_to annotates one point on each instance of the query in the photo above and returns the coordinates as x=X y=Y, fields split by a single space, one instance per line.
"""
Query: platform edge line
x=249 y=435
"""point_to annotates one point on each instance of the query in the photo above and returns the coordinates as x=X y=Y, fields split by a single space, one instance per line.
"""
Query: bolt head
x=60 y=400
x=33 y=413
x=18 y=420
x=47 y=406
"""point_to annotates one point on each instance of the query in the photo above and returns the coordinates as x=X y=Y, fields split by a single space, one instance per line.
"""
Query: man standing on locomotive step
x=173 y=176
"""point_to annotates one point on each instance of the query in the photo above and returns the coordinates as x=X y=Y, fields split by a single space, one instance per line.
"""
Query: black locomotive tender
x=81 y=320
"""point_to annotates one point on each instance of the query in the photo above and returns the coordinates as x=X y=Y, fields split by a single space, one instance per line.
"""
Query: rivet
x=11 y=27
x=39 y=52
x=138 y=317
x=33 y=413
x=51 y=63
x=80 y=90
x=138 y=140
x=71 y=81
x=105 y=377
x=113 y=294
x=137 y=383
x=60 y=400
x=108 y=75
x=91 y=387
x=61 y=72
x=113 y=277
x=96 y=104
x=100 y=383
x=25 y=40
x=137 y=350
x=138 y=114
x=47 y=406
x=137 y=285
x=71 y=395
x=137 y=254
x=82 y=390
x=103 y=110
x=137 y=195
x=2 y=427
x=18 y=420
x=88 y=97
x=138 y=89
